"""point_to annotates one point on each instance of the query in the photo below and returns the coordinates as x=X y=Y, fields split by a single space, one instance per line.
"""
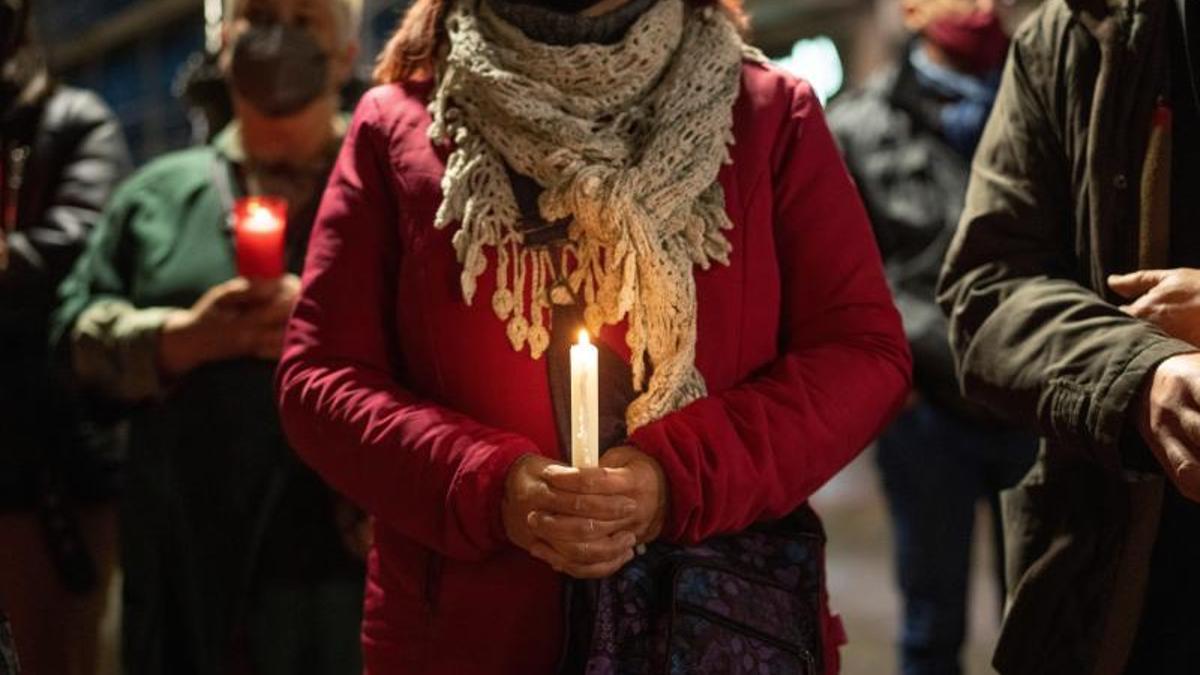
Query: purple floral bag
x=747 y=603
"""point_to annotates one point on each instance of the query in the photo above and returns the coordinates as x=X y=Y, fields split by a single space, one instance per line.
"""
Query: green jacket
x=216 y=505
x=1065 y=191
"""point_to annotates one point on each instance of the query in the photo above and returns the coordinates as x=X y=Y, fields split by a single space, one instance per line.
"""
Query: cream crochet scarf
x=626 y=140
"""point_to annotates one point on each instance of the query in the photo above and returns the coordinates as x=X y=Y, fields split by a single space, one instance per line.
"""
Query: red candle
x=259 y=224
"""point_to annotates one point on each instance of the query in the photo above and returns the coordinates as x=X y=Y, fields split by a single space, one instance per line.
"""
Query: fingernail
x=532 y=519
x=629 y=508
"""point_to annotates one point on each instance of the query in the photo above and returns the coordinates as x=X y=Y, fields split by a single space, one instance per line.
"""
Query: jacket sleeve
x=1031 y=342
x=43 y=251
x=114 y=349
x=759 y=450
x=426 y=471
x=110 y=347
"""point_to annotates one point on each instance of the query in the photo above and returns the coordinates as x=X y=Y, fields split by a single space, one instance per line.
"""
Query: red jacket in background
x=415 y=405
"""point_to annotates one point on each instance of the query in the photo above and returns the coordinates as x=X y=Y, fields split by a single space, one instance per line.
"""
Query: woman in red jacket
x=529 y=167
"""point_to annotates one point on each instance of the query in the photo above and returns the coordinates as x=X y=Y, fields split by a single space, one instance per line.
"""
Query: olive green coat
x=1064 y=193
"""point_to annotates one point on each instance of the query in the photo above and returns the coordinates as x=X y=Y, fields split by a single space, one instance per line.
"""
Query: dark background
x=130 y=51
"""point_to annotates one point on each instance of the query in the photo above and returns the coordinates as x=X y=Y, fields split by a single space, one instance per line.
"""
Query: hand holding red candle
x=260 y=226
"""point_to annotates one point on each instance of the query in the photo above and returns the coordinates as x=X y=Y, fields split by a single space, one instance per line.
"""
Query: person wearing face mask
x=61 y=156
x=908 y=136
x=236 y=556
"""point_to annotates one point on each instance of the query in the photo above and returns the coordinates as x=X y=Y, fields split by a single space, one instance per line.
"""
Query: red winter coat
x=415 y=405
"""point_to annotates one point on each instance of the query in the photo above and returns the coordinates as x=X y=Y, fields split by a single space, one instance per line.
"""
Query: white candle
x=585 y=403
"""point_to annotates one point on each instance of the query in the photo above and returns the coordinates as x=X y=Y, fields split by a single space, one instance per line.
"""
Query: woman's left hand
x=624 y=471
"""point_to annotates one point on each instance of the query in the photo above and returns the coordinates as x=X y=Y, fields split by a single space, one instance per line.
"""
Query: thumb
x=1136 y=283
x=236 y=291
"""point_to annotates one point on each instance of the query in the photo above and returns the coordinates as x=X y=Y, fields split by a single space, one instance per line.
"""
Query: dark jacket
x=77 y=156
x=1064 y=193
x=912 y=183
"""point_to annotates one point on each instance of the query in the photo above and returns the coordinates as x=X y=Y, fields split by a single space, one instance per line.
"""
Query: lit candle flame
x=261 y=219
x=583 y=337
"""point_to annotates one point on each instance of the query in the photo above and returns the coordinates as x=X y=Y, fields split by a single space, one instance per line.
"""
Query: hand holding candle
x=585 y=404
x=234 y=319
x=260 y=226
x=589 y=521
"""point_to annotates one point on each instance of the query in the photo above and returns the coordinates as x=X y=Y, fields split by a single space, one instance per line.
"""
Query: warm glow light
x=583 y=337
x=261 y=219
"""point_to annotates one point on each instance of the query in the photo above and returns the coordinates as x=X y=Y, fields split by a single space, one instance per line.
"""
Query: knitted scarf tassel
x=626 y=141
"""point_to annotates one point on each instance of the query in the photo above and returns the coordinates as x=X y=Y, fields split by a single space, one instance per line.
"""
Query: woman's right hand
x=233 y=319
x=586 y=536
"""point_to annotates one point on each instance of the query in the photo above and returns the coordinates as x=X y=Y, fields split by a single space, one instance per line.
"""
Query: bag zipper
x=799 y=652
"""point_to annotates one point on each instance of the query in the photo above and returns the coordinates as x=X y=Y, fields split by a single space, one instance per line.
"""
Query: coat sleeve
x=110 y=346
x=94 y=160
x=428 y=472
x=1031 y=342
x=759 y=450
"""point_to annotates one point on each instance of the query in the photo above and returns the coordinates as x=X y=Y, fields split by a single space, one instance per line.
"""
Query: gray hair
x=348 y=12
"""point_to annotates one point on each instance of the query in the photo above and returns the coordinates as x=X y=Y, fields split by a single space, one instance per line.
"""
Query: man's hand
x=234 y=319
x=1170 y=299
x=585 y=535
x=1169 y=420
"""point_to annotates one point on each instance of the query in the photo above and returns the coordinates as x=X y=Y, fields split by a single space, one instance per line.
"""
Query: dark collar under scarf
x=563 y=30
